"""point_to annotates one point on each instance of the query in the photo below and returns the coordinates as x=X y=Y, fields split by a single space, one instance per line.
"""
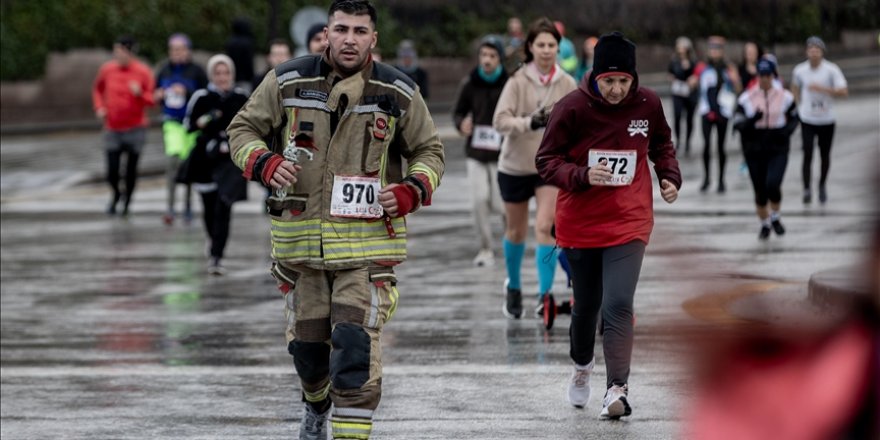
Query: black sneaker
x=126 y=200
x=777 y=227
x=823 y=195
x=111 y=207
x=705 y=186
x=564 y=308
x=808 y=196
x=513 y=306
x=313 y=425
x=765 y=233
x=721 y=188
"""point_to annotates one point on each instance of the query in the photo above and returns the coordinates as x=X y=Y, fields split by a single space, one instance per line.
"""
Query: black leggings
x=117 y=143
x=825 y=133
x=766 y=170
x=721 y=125
x=683 y=106
x=605 y=279
x=217 y=216
x=114 y=160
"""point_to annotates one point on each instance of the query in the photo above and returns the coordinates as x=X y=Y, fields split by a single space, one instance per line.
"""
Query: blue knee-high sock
x=545 y=260
x=513 y=255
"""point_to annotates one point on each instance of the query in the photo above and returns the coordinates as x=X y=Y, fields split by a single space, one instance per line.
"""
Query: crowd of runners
x=346 y=148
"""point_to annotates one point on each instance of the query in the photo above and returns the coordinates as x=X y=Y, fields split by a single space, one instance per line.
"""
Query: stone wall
x=64 y=94
x=63 y=98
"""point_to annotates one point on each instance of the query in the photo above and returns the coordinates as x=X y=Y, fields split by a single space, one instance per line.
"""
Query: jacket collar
x=332 y=74
x=352 y=87
x=532 y=74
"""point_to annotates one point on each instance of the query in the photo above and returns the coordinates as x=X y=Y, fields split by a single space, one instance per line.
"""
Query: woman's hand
x=599 y=174
x=668 y=191
x=467 y=126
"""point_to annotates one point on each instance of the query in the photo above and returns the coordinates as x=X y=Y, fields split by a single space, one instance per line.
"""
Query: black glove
x=746 y=125
x=209 y=117
x=539 y=120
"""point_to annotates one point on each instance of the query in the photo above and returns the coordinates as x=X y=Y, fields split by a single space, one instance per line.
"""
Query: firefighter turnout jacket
x=358 y=134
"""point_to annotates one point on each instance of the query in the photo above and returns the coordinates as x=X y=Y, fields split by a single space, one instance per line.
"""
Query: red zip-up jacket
x=601 y=216
x=111 y=91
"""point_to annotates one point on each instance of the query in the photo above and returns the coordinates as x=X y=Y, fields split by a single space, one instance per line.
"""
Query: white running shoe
x=579 y=385
x=539 y=309
x=215 y=268
x=615 y=404
x=484 y=258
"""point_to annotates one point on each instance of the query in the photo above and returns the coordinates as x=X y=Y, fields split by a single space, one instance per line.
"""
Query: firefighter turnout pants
x=334 y=324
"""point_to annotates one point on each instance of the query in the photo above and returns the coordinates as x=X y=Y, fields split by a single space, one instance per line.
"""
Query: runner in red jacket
x=121 y=94
x=595 y=150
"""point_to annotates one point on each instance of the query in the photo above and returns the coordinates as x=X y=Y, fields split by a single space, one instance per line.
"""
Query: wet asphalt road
x=111 y=327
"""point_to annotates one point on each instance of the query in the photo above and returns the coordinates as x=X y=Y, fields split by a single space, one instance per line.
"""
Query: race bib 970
x=486 y=138
x=355 y=197
x=621 y=162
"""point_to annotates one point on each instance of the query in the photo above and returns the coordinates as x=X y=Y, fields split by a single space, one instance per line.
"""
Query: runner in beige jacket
x=523 y=110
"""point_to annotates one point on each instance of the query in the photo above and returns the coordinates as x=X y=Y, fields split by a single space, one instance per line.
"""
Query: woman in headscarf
x=210 y=168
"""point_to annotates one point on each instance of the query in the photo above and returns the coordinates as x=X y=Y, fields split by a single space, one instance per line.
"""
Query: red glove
x=407 y=198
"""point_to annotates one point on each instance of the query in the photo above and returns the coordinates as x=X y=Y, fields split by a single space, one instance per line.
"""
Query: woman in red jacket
x=595 y=150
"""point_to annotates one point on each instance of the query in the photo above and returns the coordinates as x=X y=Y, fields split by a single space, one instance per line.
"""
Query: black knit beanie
x=314 y=30
x=614 y=53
